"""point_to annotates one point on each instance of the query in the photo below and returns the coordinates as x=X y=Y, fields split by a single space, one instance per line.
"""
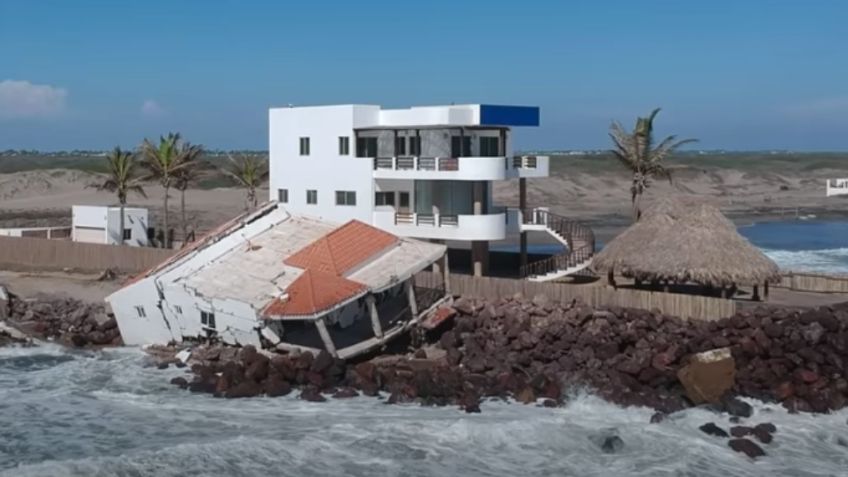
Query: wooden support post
x=611 y=278
x=325 y=336
x=410 y=295
x=756 y=295
x=375 y=317
x=766 y=290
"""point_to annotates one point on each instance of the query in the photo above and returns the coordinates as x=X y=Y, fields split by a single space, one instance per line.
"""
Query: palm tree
x=249 y=172
x=163 y=163
x=122 y=179
x=185 y=175
x=635 y=150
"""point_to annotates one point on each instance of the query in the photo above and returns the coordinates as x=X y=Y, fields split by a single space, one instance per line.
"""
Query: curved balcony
x=444 y=227
x=444 y=168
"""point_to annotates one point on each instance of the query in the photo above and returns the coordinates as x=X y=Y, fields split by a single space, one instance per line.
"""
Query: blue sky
x=735 y=74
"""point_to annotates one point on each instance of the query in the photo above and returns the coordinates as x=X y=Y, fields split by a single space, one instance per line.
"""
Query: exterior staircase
x=578 y=239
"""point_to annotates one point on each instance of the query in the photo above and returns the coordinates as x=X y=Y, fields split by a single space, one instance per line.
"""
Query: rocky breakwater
x=536 y=351
x=64 y=320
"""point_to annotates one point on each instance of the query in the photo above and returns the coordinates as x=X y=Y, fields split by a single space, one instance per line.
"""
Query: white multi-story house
x=423 y=172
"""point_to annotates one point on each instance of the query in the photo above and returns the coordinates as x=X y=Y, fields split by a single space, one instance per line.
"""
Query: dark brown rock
x=713 y=430
x=747 y=447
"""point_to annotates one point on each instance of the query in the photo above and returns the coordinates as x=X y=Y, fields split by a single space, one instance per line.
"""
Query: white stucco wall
x=87 y=221
x=323 y=170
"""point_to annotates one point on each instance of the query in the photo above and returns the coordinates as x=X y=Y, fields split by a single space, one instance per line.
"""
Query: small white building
x=277 y=280
x=100 y=224
x=836 y=187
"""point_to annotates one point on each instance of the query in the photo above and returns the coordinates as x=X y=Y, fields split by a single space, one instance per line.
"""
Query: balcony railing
x=432 y=220
x=416 y=163
x=524 y=162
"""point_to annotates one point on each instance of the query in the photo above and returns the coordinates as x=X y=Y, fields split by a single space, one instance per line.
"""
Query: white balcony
x=528 y=166
x=441 y=168
x=444 y=227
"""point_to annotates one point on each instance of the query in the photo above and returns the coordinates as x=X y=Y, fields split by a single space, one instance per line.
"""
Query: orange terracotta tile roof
x=342 y=249
x=313 y=292
x=325 y=261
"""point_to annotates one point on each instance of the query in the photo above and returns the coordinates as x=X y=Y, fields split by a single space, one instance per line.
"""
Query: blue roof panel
x=493 y=115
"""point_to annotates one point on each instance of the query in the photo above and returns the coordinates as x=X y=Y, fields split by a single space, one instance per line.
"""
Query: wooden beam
x=375 y=317
x=325 y=336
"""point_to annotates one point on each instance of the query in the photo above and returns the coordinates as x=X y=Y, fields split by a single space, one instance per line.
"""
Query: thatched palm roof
x=683 y=244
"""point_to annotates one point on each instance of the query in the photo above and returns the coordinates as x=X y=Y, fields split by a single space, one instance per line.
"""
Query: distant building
x=836 y=187
x=423 y=172
x=99 y=224
x=284 y=281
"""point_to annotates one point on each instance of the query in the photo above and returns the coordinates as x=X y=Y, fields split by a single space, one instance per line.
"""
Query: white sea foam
x=824 y=261
x=103 y=414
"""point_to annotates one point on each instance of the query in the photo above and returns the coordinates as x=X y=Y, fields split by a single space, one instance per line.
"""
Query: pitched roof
x=342 y=249
x=325 y=262
x=313 y=292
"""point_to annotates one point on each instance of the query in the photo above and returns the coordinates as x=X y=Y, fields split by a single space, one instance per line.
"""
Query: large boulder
x=708 y=376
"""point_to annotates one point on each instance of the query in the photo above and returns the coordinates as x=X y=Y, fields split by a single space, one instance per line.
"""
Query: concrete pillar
x=479 y=197
x=410 y=295
x=375 y=317
x=522 y=205
x=325 y=336
x=446 y=274
x=480 y=257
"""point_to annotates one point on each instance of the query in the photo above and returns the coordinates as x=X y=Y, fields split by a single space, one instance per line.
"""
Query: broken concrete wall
x=140 y=330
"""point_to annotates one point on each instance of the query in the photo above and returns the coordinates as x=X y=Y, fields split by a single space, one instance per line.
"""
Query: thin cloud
x=820 y=106
x=23 y=100
x=152 y=109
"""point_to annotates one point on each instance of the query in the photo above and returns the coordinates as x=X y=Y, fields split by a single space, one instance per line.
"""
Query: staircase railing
x=580 y=240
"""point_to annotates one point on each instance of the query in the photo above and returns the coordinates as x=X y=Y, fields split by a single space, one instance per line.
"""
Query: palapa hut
x=675 y=243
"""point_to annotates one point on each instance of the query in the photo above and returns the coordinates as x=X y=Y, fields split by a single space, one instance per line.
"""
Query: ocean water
x=803 y=245
x=103 y=413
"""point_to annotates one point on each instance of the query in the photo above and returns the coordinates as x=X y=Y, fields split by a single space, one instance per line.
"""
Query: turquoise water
x=809 y=245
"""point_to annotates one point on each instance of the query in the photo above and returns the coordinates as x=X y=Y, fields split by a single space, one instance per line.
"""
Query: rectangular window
x=345 y=197
x=207 y=319
x=344 y=146
x=283 y=196
x=489 y=147
x=304 y=146
x=140 y=311
x=366 y=147
x=456 y=151
x=127 y=234
x=178 y=309
x=400 y=146
x=312 y=196
x=415 y=145
x=384 y=198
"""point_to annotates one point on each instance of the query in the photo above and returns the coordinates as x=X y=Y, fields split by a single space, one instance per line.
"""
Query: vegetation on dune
x=185 y=176
x=637 y=152
x=163 y=163
x=249 y=172
x=123 y=178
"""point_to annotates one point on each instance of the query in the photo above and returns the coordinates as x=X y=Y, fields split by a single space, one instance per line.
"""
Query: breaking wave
x=832 y=261
x=108 y=413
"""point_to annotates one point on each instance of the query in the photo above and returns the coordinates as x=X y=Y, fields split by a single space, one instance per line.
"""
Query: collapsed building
x=287 y=282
